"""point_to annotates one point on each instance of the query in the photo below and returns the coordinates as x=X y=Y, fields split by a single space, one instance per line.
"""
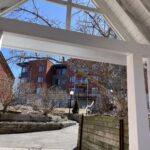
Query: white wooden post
x=68 y=16
x=139 y=138
x=1 y=37
x=148 y=78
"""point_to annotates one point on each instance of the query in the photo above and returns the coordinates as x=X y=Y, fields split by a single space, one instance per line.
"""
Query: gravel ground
x=64 y=139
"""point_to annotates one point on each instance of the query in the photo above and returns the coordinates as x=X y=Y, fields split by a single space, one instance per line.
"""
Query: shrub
x=75 y=109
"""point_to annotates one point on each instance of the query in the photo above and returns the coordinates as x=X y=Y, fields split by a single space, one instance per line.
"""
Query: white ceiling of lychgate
x=130 y=18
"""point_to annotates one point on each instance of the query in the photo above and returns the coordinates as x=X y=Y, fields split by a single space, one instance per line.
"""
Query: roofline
x=25 y=63
x=60 y=65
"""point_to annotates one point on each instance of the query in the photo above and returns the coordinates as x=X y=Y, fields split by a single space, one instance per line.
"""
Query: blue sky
x=49 y=10
x=55 y=13
x=44 y=6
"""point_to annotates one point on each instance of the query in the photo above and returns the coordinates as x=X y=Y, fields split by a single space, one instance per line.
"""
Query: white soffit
x=129 y=18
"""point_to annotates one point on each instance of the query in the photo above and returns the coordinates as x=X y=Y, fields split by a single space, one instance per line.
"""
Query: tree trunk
x=4 y=109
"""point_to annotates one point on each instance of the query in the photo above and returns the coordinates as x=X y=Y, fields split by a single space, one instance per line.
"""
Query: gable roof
x=34 y=61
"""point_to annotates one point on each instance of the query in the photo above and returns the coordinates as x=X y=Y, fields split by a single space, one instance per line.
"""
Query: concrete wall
x=102 y=133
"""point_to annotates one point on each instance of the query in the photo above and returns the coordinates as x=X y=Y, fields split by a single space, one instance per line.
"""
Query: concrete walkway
x=64 y=139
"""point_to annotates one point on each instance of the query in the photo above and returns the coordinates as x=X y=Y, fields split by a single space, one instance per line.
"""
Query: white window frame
x=69 y=4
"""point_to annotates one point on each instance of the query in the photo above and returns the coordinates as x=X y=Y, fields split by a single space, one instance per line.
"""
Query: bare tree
x=110 y=80
x=89 y=23
x=6 y=94
x=23 y=93
x=50 y=96
x=31 y=13
x=86 y=22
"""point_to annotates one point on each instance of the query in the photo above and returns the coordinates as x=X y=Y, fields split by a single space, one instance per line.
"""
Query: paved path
x=64 y=139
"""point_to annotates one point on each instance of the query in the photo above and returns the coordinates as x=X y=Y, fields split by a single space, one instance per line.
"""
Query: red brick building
x=44 y=73
x=85 y=91
x=6 y=81
x=59 y=76
x=37 y=72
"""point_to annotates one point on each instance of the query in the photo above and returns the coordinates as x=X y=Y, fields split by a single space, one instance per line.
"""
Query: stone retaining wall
x=74 y=117
x=102 y=133
x=10 y=117
x=23 y=127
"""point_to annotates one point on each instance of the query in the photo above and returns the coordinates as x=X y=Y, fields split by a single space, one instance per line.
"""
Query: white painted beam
x=120 y=21
x=29 y=43
x=72 y=38
x=148 y=80
x=139 y=135
x=1 y=38
x=113 y=21
x=77 y=6
x=68 y=15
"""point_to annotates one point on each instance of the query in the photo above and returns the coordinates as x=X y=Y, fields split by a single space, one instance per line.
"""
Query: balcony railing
x=85 y=94
x=23 y=75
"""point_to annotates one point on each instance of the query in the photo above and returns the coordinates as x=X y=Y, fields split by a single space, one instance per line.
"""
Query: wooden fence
x=103 y=133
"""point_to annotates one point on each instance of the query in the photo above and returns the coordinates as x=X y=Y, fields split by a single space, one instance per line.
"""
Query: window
x=83 y=69
x=63 y=71
x=38 y=90
x=94 y=90
x=63 y=82
x=41 y=68
x=59 y=81
x=23 y=80
x=24 y=69
x=40 y=79
x=72 y=68
x=82 y=81
x=72 y=79
x=96 y=78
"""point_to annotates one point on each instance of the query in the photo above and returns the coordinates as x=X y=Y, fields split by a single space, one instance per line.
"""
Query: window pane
x=41 y=68
x=72 y=79
x=38 y=90
x=91 y=23
x=63 y=71
x=46 y=12
x=40 y=79
x=23 y=80
x=24 y=69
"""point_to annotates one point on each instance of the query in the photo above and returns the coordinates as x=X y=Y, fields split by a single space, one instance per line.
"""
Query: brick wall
x=102 y=133
x=3 y=70
x=33 y=73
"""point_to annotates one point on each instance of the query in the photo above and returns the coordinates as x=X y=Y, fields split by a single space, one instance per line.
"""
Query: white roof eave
x=122 y=22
